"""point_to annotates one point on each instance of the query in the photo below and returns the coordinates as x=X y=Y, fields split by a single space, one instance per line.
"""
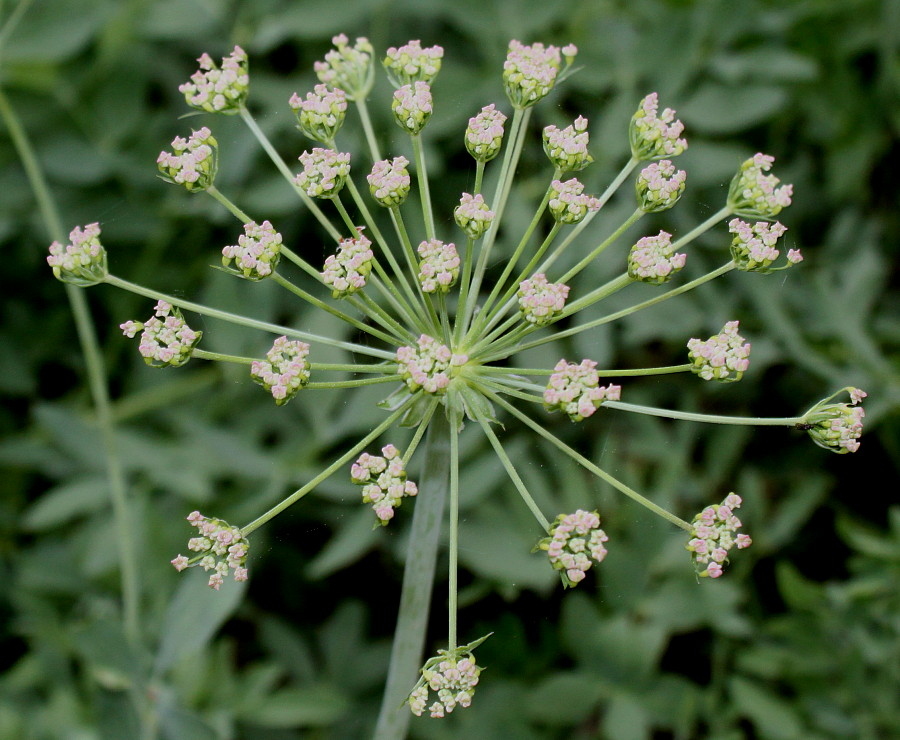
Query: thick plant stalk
x=418 y=579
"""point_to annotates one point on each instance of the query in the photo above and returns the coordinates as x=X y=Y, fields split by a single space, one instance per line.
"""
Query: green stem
x=404 y=336
x=202 y=354
x=420 y=431
x=235 y=211
x=424 y=193
x=97 y=381
x=587 y=464
x=345 y=217
x=353 y=383
x=418 y=578
x=498 y=370
x=302 y=264
x=288 y=175
x=330 y=470
x=363 y=111
x=244 y=320
x=453 y=587
x=705 y=226
x=596 y=295
x=630 y=221
x=615 y=316
x=787 y=421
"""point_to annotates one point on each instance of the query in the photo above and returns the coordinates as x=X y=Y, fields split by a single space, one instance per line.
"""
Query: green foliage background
x=801 y=639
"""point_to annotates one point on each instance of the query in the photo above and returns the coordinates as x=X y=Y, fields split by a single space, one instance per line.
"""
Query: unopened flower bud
x=472 y=215
x=411 y=63
x=219 y=90
x=192 y=162
x=567 y=148
x=541 y=301
x=412 y=107
x=384 y=482
x=754 y=194
x=753 y=247
x=321 y=115
x=568 y=204
x=655 y=136
x=284 y=371
x=714 y=533
x=389 y=182
x=724 y=356
x=659 y=186
x=575 y=544
x=452 y=675
x=348 y=68
x=576 y=391
x=484 y=135
x=220 y=548
x=347 y=270
x=529 y=72
x=257 y=252
x=836 y=426
x=439 y=267
x=429 y=365
x=325 y=172
x=653 y=260
x=166 y=340
x=83 y=262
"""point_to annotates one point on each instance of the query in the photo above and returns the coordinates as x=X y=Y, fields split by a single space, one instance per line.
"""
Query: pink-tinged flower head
x=714 y=533
x=472 y=215
x=348 y=270
x=753 y=247
x=541 y=301
x=837 y=426
x=754 y=194
x=220 y=548
x=284 y=371
x=576 y=391
x=321 y=115
x=575 y=544
x=439 y=266
x=484 y=135
x=529 y=72
x=384 y=482
x=83 y=261
x=655 y=135
x=257 y=252
x=411 y=63
x=192 y=162
x=659 y=186
x=452 y=675
x=219 y=89
x=653 y=260
x=429 y=365
x=389 y=182
x=568 y=204
x=325 y=172
x=412 y=106
x=567 y=149
x=348 y=67
x=724 y=356
x=166 y=340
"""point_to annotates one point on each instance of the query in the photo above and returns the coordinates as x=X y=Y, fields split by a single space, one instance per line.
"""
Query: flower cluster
x=655 y=136
x=384 y=481
x=576 y=391
x=347 y=270
x=192 y=162
x=567 y=149
x=216 y=90
x=411 y=63
x=324 y=172
x=753 y=247
x=221 y=548
x=529 y=72
x=754 y=194
x=389 y=181
x=452 y=675
x=540 y=300
x=836 y=426
x=348 y=67
x=412 y=107
x=653 y=259
x=83 y=262
x=724 y=356
x=321 y=115
x=472 y=215
x=429 y=365
x=166 y=340
x=484 y=134
x=284 y=371
x=659 y=186
x=713 y=534
x=257 y=252
x=439 y=266
x=568 y=204
x=574 y=545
